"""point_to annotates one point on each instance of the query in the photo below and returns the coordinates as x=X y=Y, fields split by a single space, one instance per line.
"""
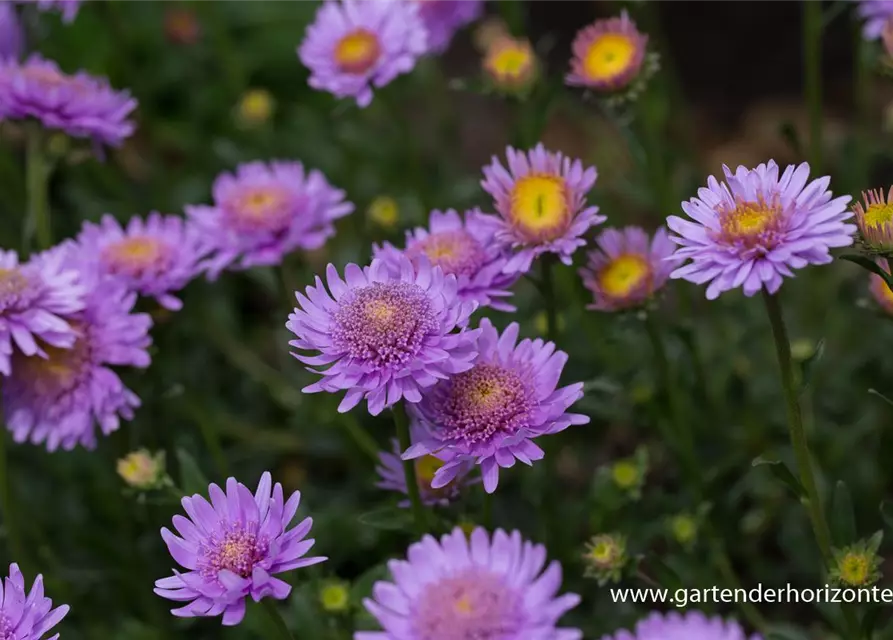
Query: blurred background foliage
x=219 y=83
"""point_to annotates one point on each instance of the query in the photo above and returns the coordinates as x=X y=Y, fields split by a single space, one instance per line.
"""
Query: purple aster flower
x=59 y=399
x=443 y=18
x=877 y=14
x=689 y=626
x=608 y=54
x=11 y=35
x=233 y=547
x=81 y=105
x=26 y=615
x=265 y=211
x=463 y=248
x=475 y=587
x=541 y=200
x=627 y=268
x=491 y=413
x=393 y=478
x=68 y=8
x=753 y=229
x=152 y=257
x=383 y=337
x=354 y=45
x=35 y=300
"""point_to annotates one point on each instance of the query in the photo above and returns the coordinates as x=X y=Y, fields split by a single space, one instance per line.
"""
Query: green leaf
x=808 y=367
x=843 y=522
x=874 y=542
x=391 y=518
x=192 y=480
x=781 y=472
x=869 y=265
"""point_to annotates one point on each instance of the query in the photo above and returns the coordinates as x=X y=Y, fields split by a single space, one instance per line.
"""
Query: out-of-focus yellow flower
x=802 y=349
x=510 y=65
x=605 y=557
x=143 y=470
x=334 y=596
x=684 y=529
x=384 y=211
x=256 y=107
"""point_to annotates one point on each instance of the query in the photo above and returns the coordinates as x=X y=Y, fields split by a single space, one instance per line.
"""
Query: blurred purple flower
x=232 y=548
x=81 y=105
x=383 y=337
x=264 y=212
x=492 y=413
x=26 y=615
x=752 y=230
x=35 y=300
x=879 y=289
x=463 y=248
x=354 y=45
x=59 y=399
x=877 y=14
x=608 y=54
x=541 y=201
x=11 y=35
x=152 y=257
x=627 y=268
x=690 y=626
x=68 y=8
x=475 y=587
x=443 y=18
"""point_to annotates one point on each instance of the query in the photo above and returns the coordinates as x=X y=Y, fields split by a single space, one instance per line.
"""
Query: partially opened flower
x=608 y=55
x=354 y=45
x=874 y=219
x=471 y=587
x=380 y=336
x=754 y=229
x=443 y=18
x=541 y=201
x=627 y=268
x=463 y=247
x=877 y=14
x=36 y=299
x=265 y=211
x=81 y=105
x=880 y=290
x=510 y=65
x=24 y=614
x=232 y=547
x=491 y=414
x=61 y=399
x=689 y=626
x=11 y=34
x=153 y=257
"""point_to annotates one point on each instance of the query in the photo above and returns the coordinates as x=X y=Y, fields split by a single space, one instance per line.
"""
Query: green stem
x=795 y=424
x=275 y=620
x=10 y=517
x=724 y=566
x=401 y=422
x=812 y=73
x=548 y=290
x=37 y=177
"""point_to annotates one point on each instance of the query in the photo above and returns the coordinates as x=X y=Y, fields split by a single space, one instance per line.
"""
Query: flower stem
x=401 y=422
x=812 y=72
x=37 y=176
x=275 y=620
x=548 y=290
x=795 y=424
x=10 y=517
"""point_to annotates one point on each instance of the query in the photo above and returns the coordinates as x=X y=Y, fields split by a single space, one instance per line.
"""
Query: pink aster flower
x=152 y=257
x=381 y=336
x=541 y=201
x=877 y=14
x=689 y=626
x=60 y=399
x=463 y=248
x=627 y=268
x=354 y=45
x=81 y=105
x=11 y=35
x=26 y=615
x=753 y=229
x=266 y=211
x=608 y=54
x=471 y=587
x=492 y=413
x=36 y=298
x=443 y=18
x=233 y=547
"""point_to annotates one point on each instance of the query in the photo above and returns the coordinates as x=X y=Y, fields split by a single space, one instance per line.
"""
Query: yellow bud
x=142 y=470
x=384 y=212
x=334 y=596
x=256 y=107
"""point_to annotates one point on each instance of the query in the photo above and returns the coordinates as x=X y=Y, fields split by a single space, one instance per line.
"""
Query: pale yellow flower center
x=358 y=51
x=609 y=56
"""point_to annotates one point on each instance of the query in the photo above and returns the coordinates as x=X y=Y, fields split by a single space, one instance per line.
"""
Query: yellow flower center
x=854 y=568
x=380 y=312
x=879 y=214
x=262 y=208
x=509 y=61
x=358 y=51
x=609 y=56
x=625 y=474
x=603 y=552
x=464 y=605
x=56 y=373
x=749 y=221
x=334 y=597
x=623 y=275
x=134 y=254
x=12 y=282
x=256 y=106
x=539 y=206
x=425 y=468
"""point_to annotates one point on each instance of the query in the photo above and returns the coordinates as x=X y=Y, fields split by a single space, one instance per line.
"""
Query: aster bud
x=384 y=211
x=143 y=470
x=629 y=474
x=334 y=596
x=605 y=557
x=874 y=219
x=255 y=108
x=510 y=66
x=858 y=565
